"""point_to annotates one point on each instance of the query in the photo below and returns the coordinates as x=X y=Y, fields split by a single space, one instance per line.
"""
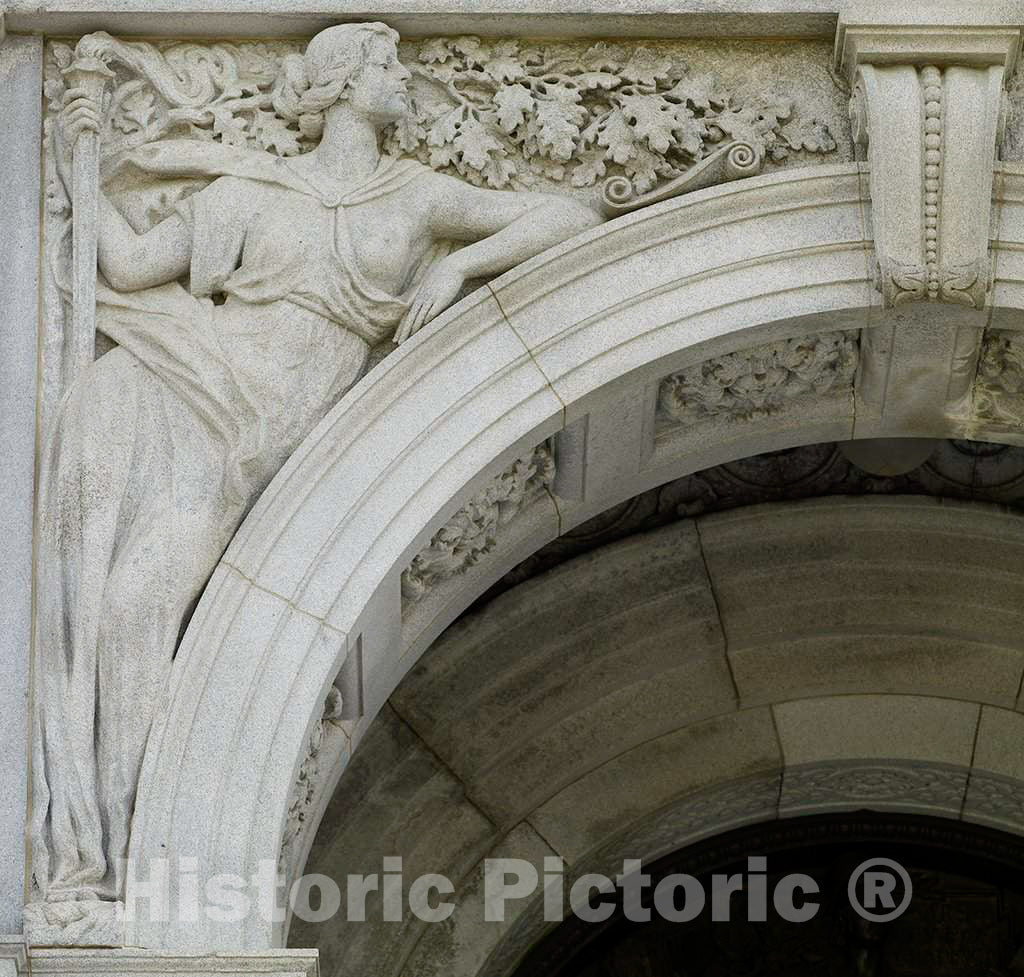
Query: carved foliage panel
x=500 y=113
x=761 y=381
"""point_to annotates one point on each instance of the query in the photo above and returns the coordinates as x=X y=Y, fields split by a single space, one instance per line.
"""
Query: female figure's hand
x=79 y=113
x=438 y=289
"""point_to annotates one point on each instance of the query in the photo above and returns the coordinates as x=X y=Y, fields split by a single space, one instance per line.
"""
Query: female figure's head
x=357 y=63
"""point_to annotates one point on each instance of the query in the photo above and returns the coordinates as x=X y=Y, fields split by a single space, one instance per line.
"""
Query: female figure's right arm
x=129 y=261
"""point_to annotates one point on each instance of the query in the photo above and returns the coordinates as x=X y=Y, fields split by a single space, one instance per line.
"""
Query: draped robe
x=158 y=450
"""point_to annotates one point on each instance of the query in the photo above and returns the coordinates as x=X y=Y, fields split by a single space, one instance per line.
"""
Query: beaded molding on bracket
x=931 y=80
x=965 y=284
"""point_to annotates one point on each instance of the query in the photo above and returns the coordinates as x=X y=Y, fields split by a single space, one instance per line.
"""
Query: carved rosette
x=761 y=381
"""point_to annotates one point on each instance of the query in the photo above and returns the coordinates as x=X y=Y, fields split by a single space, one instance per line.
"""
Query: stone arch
x=572 y=346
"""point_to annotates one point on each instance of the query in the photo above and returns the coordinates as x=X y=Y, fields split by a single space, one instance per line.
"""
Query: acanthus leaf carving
x=474 y=530
x=310 y=777
x=761 y=380
x=999 y=382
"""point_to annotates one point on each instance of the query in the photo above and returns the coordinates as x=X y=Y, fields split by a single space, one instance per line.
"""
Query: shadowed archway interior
x=965 y=916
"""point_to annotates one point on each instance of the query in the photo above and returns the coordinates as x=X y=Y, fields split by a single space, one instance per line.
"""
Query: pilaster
x=20 y=107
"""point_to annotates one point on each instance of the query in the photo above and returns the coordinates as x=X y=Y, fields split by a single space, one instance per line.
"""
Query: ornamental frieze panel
x=762 y=381
x=999 y=381
x=473 y=532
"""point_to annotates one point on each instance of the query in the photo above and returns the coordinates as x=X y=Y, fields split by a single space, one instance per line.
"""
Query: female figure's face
x=379 y=90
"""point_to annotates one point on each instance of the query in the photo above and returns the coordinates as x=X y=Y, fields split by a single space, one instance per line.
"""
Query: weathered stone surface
x=148 y=963
x=644 y=779
x=588 y=668
x=551 y=18
x=606 y=702
x=469 y=942
x=397 y=799
x=891 y=611
x=875 y=727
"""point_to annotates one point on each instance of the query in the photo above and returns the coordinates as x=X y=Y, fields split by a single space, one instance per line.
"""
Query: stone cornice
x=413 y=18
x=938 y=32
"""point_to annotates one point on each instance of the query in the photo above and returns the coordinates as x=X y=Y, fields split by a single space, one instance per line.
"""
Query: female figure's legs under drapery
x=133 y=519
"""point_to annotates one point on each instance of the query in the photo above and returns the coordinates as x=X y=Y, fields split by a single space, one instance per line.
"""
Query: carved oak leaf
x=690 y=131
x=558 y=123
x=446 y=73
x=643 y=169
x=548 y=168
x=435 y=50
x=810 y=134
x=651 y=119
x=591 y=80
x=445 y=128
x=754 y=122
x=240 y=89
x=514 y=104
x=504 y=64
x=590 y=168
x=475 y=51
x=442 y=156
x=647 y=68
x=603 y=57
x=615 y=133
x=136 y=111
x=273 y=134
x=698 y=91
x=406 y=135
x=226 y=125
x=475 y=144
x=498 y=171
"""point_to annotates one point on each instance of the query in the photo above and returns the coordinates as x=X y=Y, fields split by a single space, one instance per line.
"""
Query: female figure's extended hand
x=438 y=289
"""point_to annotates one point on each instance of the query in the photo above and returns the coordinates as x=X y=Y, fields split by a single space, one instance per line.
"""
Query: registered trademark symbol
x=875 y=887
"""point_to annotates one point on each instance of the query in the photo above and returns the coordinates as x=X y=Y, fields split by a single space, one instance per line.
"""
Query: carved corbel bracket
x=927 y=83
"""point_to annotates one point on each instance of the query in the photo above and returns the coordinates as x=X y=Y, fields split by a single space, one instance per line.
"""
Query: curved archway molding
x=585 y=345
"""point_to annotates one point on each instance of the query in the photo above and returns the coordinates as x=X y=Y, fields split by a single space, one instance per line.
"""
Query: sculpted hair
x=310 y=84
